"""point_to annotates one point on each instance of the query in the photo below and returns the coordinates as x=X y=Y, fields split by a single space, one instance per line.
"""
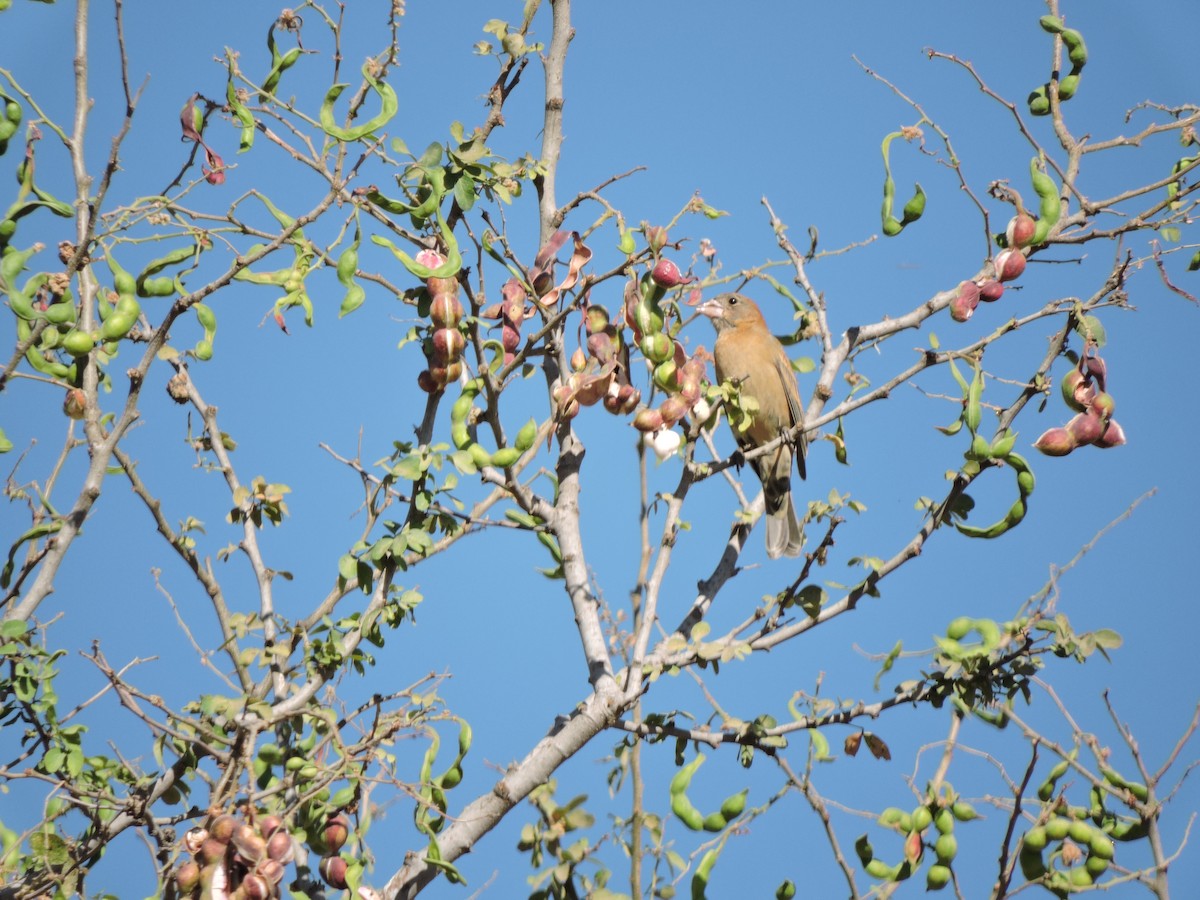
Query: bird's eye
x=733 y=301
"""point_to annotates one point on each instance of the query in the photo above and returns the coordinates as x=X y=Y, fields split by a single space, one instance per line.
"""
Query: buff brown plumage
x=747 y=352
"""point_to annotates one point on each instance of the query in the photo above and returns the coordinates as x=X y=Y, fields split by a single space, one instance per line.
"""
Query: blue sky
x=766 y=101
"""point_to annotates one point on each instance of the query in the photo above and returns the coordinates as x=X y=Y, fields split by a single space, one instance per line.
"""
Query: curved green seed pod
x=1052 y=24
x=203 y=350
x=1033 y=866
x=1139 y=791
x=1050 y=206
x=703 y=871
x=1039 y=101
x=1068 y=85
x=714 y=822
x=460 y=435
x=347 y=265
x=877 y=868
x=162 y=287
x=123 y=282
x=863 y=848
x=683 y=778
x=388 y=102
x=206 y=317
x=61 y=312
x=1076 y=48
x=239 y=110
x=1046 y=791
x=686 y=812
x=1016 y=513
x=912 y=210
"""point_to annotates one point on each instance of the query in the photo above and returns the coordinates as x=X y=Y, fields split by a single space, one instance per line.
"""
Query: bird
x=746 y=352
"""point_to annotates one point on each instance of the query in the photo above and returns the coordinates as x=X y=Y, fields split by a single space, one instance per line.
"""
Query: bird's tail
x=784 y=535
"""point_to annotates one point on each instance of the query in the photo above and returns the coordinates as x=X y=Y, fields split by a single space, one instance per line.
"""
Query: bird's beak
x=712 y=309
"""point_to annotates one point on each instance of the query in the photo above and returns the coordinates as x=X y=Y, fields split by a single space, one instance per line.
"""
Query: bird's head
x=732 y=311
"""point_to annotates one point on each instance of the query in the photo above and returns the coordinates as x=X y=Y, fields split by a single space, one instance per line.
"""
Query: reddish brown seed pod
x=1009 y=264
x=1055 y=442
x=990 y=291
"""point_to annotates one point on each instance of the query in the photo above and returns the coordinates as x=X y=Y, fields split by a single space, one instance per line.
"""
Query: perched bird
x=747 y=352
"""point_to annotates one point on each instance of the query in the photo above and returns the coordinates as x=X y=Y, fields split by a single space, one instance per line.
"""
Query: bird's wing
x=783 y=368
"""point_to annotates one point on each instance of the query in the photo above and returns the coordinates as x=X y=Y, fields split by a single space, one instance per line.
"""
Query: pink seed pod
x=1020 y=230
x=673 y=409
x=445 y=310
x=280 y=847
x=656 y=237
x=1055 y=442
x=1009 y=264
x=337 y=831
x=194 y=838
x=1114 y=436
x=648 y=420
x=1103 y=405
x=333 y=870
x=667 y=275
x=1086 y=427
x=990 y=290
x=962 y=307
x=448 y=343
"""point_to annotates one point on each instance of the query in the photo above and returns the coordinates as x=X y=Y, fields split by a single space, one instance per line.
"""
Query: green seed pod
x=700 y=879
x=1095 y=866
x=1039 y=101
x=1100 y=845
x=1036 y=838
x=505 y=457
x=1058 y=828
x=479 y=455
x=686 y=812
x=127 y=305
x=892 y=816
x=937 y=877
x=920 y=819
x=62 y=312
x=271 y=754
x=162 y=286
x=963 y=811
x=1076 y=48
x=1052 y=24
x=206 y=317
x=116 y=327
x=944 y=821
x=714 y=822
x=1067 y=86
x=877 y=868
x=914 y=208
x=1081 y=832
x=682 y=778
x=786 y=890
x=1033 y=866
x=78 y=343
x=959 y=628
x=460 y=435
x=203 y=350
x=526 y=436
x=946 y=848
x=734 y=804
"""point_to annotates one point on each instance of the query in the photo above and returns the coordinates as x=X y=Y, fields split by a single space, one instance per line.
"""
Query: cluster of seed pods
x=235 y=858
x=444 y=348
x=674 y=372
x=601 y=374
x=1084 y=390
x=1023 y=231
